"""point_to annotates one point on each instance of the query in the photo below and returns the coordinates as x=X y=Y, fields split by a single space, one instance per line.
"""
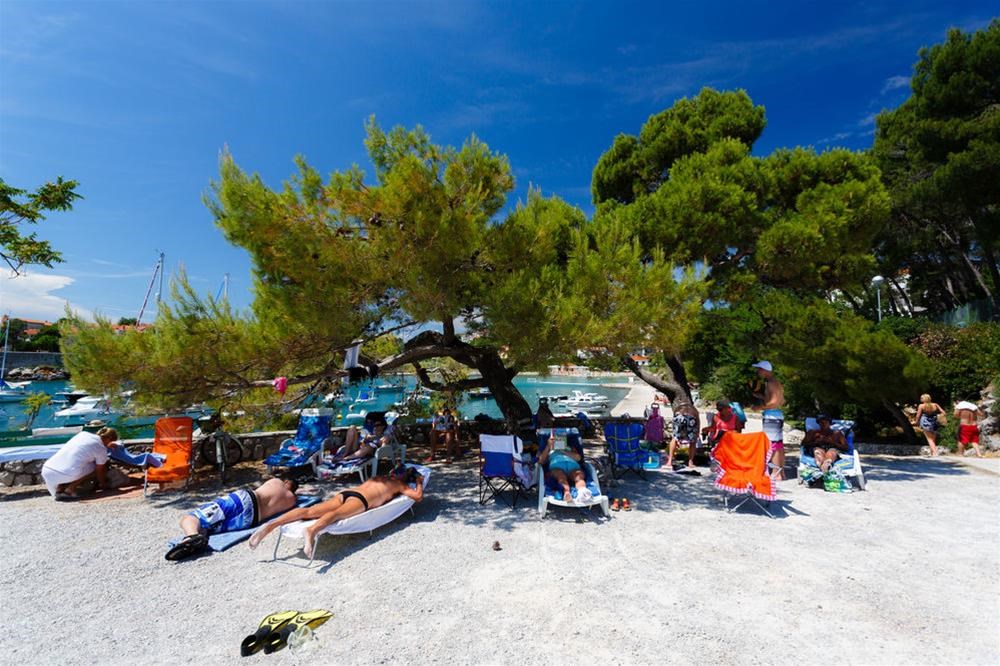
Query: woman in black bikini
x=374 y=492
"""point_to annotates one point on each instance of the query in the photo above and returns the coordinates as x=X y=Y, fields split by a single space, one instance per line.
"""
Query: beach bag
x=942 y=420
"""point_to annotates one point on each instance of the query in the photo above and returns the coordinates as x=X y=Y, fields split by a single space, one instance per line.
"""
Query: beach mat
x=224 y=540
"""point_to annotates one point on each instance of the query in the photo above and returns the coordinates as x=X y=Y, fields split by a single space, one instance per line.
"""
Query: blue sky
x=136 y=100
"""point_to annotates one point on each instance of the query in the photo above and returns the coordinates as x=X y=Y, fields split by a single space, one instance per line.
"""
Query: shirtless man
x=772 y=399
x=238 y=510
x=825 y=444
x=374 y=492
x=968 y=427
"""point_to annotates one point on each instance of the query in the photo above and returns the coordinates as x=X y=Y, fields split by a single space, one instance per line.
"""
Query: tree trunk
x=902 y=295
x=904 y=423
x=499 y=378
x=673 y=384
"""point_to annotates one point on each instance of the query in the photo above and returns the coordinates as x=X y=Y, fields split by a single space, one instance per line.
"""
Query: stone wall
x=17 y=359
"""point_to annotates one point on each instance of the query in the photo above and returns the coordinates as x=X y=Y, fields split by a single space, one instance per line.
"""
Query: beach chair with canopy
x=547 y=488
x=173 y=438
x=622 y=441
x=847 y=465
x=306 y=448
x=502 y=467
x=368 y=521
x=740 y=462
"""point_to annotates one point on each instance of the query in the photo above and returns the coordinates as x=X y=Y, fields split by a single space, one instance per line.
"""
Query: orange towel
x=743 y=464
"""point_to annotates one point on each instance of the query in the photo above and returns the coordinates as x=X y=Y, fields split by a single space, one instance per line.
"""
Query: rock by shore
x=43 y=373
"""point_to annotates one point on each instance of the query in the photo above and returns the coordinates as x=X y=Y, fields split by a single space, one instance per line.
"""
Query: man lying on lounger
x=239 y=510
x=373 y=493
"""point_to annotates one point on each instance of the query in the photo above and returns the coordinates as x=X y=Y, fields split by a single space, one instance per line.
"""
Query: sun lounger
x=847 y=465
x=225 y=540
x=306 y=448
x=28 y=453
x=368 y=521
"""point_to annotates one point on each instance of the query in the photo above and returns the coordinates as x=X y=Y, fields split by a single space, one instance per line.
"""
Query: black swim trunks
x=350 y=493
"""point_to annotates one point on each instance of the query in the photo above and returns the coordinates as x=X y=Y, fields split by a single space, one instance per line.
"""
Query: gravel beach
x=904 y=573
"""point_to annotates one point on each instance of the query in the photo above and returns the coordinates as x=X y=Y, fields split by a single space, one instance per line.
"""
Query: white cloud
x=868 y=120
x=30 y=295
x=895 y=83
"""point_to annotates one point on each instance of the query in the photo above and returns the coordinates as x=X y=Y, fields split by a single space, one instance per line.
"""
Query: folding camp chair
x=501 y=468
x=622 y=440
x=547 y=488
x=392 y=451
x=740 y=462
x=848 y=464
x=174 y=438
x=306 y=448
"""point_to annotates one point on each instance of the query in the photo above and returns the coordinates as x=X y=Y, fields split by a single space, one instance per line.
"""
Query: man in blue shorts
x=236 y=511
x=772 y=399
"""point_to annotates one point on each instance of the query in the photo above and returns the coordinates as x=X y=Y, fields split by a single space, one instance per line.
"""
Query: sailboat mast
x=149 y=290
x=3 y=364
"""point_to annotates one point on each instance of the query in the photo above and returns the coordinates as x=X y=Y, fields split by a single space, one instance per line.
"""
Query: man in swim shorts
x=373 y=493
x=772 y=399
x=968 y=427
x=236 y=511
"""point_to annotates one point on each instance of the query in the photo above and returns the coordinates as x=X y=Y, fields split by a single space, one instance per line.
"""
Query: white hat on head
x=763 y=365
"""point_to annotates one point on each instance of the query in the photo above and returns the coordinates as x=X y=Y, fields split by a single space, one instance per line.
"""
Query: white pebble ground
x=904 y=573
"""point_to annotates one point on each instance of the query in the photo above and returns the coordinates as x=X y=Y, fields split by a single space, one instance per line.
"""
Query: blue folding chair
x=502 y=468
x=622 y=441
x=306 y=448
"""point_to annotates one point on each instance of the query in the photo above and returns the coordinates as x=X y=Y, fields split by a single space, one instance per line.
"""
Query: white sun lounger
x=368 y=521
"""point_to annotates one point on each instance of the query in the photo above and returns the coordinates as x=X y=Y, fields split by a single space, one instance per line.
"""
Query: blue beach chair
x=306 y=448
x=622 y=440
x=848 y=464
x=501 y=468
x=547 y=488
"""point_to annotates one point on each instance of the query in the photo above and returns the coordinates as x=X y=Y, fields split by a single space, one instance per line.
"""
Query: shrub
x=963 y=360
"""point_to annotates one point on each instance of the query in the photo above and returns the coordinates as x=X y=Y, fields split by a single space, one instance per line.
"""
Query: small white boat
x=356 y=418
x=390 y=388
x=365 y=397
x=581 y=400
x=86 y=409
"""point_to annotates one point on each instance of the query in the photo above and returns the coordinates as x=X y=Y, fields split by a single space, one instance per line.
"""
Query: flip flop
x=186 y=547
x=626 y=504
x=279 y=639
x=273 y=622
x=614 y=505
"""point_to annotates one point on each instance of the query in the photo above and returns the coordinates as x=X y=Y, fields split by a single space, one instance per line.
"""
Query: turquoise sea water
x=12 y=414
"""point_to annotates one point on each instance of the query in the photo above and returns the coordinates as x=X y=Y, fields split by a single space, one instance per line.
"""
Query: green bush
x=906 y=329
x=963 y=360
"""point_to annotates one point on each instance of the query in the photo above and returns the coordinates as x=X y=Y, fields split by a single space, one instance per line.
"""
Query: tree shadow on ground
x=909 y=469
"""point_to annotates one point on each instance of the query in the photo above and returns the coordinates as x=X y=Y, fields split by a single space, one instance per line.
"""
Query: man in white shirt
x=82 y=458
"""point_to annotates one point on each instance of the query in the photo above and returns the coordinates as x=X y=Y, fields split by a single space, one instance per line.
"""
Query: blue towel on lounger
x=224 y=540
x=122 y=455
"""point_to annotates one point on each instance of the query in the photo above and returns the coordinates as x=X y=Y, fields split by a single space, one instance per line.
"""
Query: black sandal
x=188 y=546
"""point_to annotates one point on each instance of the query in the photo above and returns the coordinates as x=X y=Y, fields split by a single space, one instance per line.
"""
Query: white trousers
x=54 y=478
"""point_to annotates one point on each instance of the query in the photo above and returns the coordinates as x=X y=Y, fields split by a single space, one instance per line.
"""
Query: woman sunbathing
x=359 y=448
x=564 y=468
x=373 y=493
